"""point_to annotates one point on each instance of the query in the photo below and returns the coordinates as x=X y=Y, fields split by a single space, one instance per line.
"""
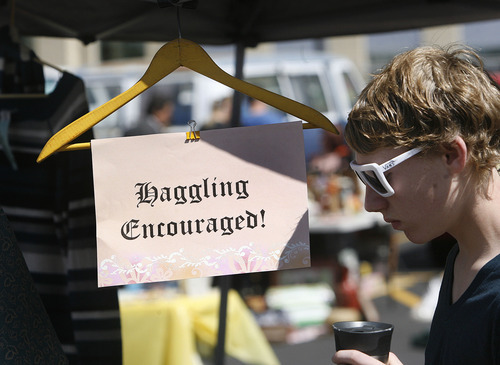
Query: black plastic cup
x=372 y=338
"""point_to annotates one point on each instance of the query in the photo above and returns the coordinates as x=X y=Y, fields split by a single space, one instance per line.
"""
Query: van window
x=269 y=83
x=266 y=82
x=352 y=92
x=308 y=91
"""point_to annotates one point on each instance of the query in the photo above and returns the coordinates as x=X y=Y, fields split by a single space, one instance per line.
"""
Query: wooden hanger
x=174 y=54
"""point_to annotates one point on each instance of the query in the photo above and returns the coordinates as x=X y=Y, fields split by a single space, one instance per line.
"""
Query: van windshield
x=308 y=91
x=352 y=92
x=266 y=82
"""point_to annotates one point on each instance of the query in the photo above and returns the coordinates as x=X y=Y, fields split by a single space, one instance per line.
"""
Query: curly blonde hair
x=426 y=97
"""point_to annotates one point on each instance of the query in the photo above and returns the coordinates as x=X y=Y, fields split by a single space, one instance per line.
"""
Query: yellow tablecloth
x=164 y=331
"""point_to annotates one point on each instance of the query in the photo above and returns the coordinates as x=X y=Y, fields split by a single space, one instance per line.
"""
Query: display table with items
x=336 y=204
x=172 y=329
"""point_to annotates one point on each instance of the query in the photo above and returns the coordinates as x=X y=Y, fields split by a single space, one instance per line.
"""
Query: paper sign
x=235 y=201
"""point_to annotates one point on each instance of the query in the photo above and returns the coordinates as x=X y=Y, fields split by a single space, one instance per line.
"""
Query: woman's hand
x=353 y=357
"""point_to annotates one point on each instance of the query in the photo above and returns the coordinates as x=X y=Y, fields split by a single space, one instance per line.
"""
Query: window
x=269 y=83
x=352 y=93
x=119 y=50
x=308 y=91
x=266 y=82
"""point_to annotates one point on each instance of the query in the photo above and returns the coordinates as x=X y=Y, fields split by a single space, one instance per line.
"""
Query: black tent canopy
x=248 y=22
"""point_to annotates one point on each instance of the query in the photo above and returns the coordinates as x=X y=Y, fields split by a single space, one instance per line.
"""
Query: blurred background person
x=256 y=112
x=221 y=114
x=158 y=116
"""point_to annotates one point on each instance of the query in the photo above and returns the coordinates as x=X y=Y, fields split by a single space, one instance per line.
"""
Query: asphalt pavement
x=406 y=342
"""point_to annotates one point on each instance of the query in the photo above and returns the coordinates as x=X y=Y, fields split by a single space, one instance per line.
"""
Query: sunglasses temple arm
x=398 y=159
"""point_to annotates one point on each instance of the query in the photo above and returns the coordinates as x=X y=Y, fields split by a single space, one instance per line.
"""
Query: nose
x=374 y=202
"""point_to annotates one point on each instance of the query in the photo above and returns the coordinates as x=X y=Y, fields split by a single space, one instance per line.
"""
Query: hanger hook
x=179 y=21
x=189 y=4
x=177 y=4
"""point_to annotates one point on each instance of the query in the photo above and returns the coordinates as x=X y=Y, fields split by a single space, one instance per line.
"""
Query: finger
x=393 y=360
x=353 y=357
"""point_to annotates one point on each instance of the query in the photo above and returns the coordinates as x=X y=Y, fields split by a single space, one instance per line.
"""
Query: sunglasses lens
x=373 y=181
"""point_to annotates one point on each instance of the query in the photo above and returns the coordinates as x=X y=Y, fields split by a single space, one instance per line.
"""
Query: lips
x=394 y=223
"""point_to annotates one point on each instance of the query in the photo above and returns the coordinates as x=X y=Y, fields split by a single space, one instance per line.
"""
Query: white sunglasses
x=372 y=174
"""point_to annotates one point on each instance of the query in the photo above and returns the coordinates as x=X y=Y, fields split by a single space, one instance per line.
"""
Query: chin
x=417 y=238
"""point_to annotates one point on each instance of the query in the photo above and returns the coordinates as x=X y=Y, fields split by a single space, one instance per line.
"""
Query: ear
x=455 y=155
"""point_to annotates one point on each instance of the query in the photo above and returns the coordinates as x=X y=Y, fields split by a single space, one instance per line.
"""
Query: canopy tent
x=248 y=22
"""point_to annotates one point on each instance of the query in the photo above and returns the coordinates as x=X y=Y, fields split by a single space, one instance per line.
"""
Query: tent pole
x=225 y=281
x=237 y=96
x=220 y=351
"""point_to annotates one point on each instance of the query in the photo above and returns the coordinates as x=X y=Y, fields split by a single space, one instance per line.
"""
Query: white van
x=327 y=83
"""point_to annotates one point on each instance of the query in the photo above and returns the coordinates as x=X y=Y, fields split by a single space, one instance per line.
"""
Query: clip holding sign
x=193 y=135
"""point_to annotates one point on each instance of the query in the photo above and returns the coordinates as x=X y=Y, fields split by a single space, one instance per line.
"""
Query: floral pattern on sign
x=296 y=251
x=118 y=270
